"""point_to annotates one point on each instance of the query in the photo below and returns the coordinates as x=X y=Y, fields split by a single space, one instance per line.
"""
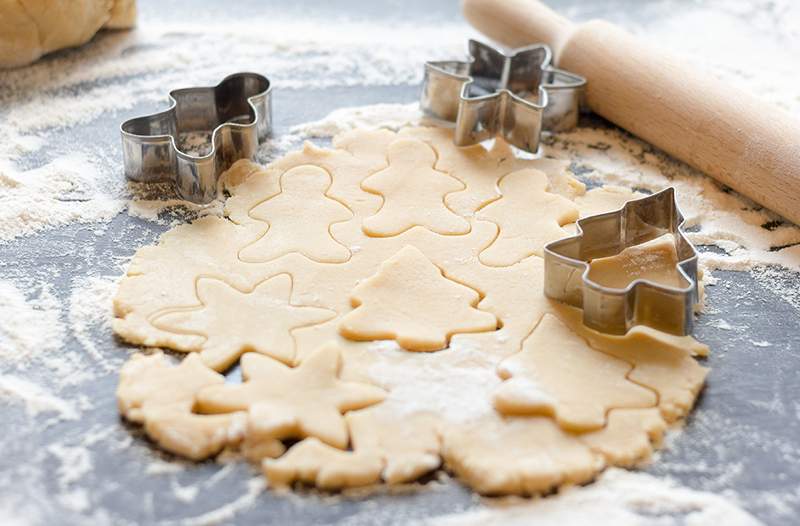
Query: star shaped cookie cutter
x=515 y=95
x=642 y=302
x=238 y=114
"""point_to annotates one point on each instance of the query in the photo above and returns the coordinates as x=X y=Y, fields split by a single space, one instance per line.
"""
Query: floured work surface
x=384 y=300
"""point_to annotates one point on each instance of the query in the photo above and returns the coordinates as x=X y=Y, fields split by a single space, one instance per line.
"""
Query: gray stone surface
x=743 y=436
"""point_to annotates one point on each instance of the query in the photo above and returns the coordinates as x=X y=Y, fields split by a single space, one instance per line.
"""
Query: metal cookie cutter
x=515 y=95
x=643 y=302
x=237 y=112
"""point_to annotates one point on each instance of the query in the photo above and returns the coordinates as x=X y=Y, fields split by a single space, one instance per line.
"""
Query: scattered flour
x=456 y=382
x=121 y=70
x=69 y=189
x=388 y=116
x=618 y=498
x=226 y=513
x=90 y=308
x=73 y=462
x=35 y=398
x=30 y=324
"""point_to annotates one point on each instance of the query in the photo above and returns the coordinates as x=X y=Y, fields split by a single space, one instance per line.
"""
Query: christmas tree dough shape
x=528 y=215
x=299 y=218
x=409 y=300
x=557 y=373
x=413 y=193
x=285 y=402
x=232 y=322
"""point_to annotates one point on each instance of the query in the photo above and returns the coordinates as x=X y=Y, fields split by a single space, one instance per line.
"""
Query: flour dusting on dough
x=450 y=383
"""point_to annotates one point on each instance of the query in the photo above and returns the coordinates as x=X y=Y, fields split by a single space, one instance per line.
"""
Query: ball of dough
x=31 y=28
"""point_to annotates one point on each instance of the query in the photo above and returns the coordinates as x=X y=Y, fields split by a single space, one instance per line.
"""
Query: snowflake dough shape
x=300 y=218
x=413 y=193
x=285 y=402
x=162 y=396
x=558 y=374
x=234 y=322
x=410 y=301
x=528 y=215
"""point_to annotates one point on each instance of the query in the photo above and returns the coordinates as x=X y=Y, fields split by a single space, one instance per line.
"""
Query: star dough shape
x=409 y=300
x=232 y=322
x=528 y=215
x=299 y=218
x=413 y=193
x=285 y=402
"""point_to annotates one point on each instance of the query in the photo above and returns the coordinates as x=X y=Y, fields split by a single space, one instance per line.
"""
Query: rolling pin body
x=742 y=142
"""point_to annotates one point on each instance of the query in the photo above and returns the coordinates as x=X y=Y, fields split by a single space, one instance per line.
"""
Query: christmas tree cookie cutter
x=642 y=302
x=238 y=114
x=515 y=95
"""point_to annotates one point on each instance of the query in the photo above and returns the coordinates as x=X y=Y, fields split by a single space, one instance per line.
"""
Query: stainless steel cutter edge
x=446 y=96
x=149 y=143
x=642 y=302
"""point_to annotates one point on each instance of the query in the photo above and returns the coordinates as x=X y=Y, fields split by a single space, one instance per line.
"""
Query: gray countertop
x=743 y=437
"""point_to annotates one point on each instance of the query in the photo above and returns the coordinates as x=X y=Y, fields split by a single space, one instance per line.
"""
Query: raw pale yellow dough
x=557 y=373
x=299 y=217
x=31 y=28
x=655 y=260
x=410 y=301
x=391 y=242
x=528 y=215
x=223 y=322
x=413 y=193
x=284 y=402
x=162 y=397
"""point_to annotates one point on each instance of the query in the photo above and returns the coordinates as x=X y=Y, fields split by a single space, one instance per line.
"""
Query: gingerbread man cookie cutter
x=515 y=95
x=642 y=302
x=238 y=114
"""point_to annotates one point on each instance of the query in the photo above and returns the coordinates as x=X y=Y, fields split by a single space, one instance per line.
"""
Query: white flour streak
x=388 y=116
x=69 y=189
x=29 y=326
x=35 y=398
x=90 y=307
x=618 y=498
x=456 y=383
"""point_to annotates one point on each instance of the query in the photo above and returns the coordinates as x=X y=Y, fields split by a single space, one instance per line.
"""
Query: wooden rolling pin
x=739 y=140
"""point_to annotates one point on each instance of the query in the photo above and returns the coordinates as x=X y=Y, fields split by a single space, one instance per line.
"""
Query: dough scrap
x=480 y=169
x=410 y=301
x=413 y=193
x=536 y=455
x=323 y=466
x=299 y=218
x=558 y=374
x=528 y=215
x=408 y=448
x=629 y=436
x=661 y=362
x=163 y=276
x=285 y=402
x=452 y=422
x=162 y=396
x=655 y=260
x=229 y=322
x=32 y=28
